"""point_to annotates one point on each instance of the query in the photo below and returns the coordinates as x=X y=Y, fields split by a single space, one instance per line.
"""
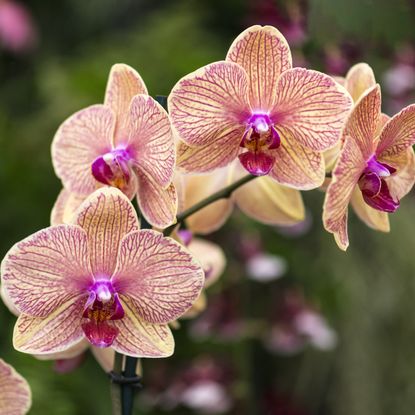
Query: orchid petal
x=370 y=184
x=373 y=218
x=150 y=139
x=78 y=142
x=311 y=107
x=47 y=269
x=57 y=332
x=383 y=200
x=197 y=188
x=257 y=163
x=106 y=216
x=158 y=205
x=297 y=166
x=104 y=356
x=73 y=351
x=359 y=79
x=268 y=202
x=211 y=257
x=346 y=174
x=15 y=394
x=160 y=278
x=364 y=120
x=398 y=134
x=7 y=301
x=65 y=207
x=138 y=338
x=210 y=156
x=264 y=54
x=330 y=156
x=100 y=333
x=123 y=83
x=209 y=103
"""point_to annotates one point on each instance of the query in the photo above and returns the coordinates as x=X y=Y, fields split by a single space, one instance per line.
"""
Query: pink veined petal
x=65 y=207
x=15 y=393
x=311 y=107
x=297 y=166
x=56 y=333
x=138 y=338
x=7 y=301
x=346 y=174
x=78 y=142
x=74 y=351
x=150 y=139
x=264 y=53
x=359 y=79
x=106 y=216
x=398 y=133
x=198 y=187
x=47 y=269
x=373 y=218
x=364 y=119
x=209 y=103
x=123 y=83
x=209 y=156
x=160 y=278
x=257 y=163
x=158 y=205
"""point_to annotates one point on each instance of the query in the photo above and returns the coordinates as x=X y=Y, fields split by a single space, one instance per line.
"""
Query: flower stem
x=221 y=194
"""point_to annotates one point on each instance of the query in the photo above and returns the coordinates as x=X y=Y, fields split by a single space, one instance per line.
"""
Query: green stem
x=221 y=194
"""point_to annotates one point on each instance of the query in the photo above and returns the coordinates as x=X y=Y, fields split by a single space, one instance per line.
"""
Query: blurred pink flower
x=17 y=29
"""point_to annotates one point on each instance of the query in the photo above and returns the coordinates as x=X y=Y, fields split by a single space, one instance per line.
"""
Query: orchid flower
x=254 y=106
x=126 y=143
x=377 y=164
x=261 y=199
x=100 y=278
x=15 y=394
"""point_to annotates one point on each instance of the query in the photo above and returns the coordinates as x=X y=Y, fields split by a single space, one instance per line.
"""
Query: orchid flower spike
x=126 y=142
x=100 y=279
x=255 y=107
x=376 y=164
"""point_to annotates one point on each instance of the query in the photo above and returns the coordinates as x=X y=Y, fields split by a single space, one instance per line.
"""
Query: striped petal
x=297 y=166
x=363 y=121
x=268 y=202
x=346 y=174
x=373 y=218
x=160 y=278
x=57 y=332
x=158 y=205
x=123 y=83
x=106 y=216
x=150 y=139
x=71 y=353
x=209 y=103
x=398 y=133
x=47 y=269
x=264 y=54
x=15 y=394
x=65 y=207
x=209 y=156
x=78 y=142
x=197 y=188
x=311 y=108
x=138 y=338
x=359 y=79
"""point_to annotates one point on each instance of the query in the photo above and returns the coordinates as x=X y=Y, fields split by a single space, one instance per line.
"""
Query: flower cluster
x=94 y=278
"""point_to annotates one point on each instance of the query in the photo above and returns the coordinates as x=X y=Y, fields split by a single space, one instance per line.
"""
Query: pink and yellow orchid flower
x=378 y=165
x=126 y=143
x=15 y=394
x=100 y=278
x=254 y=106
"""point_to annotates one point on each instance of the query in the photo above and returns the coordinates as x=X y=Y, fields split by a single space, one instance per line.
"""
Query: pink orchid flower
x=15 y=394
x=127 y=143
x=377 y=164
x=100 y=278
x=254 y=106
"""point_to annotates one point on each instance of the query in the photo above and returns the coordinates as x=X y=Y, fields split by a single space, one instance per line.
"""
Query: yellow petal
x=65 y=207
x=359 y=79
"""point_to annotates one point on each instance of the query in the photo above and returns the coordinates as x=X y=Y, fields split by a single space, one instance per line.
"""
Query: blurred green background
x=367 y=295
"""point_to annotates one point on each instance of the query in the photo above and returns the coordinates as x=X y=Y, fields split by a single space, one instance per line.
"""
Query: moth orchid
x=254 y=106
x=261 y=199
x=100 y=278
x=378 y=165
x=15 y=394
x=126 y=143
